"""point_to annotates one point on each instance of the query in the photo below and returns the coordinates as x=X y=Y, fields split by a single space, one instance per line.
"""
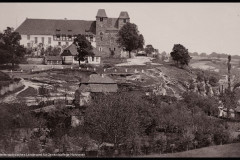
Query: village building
x=53 y=60
x=100 y=32
x=95 y=83
x=69 y=56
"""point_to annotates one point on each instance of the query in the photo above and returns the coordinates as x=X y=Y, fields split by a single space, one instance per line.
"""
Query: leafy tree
x=84 y=47
x=180 y=54
x=10 y=49
x=149 y=49
x=128 y=38
x=203 y=54
x=115 y=118
x=141 y=42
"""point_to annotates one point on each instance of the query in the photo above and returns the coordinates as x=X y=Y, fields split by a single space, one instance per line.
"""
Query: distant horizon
x=200 y=27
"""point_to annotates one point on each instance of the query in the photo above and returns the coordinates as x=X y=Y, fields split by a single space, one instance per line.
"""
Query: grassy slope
x=228 y=150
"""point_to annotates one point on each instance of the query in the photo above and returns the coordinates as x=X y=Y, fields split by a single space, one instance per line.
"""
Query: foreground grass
x=228 y=150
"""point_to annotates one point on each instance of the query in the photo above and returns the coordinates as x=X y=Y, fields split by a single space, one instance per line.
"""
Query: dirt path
x=13 y=97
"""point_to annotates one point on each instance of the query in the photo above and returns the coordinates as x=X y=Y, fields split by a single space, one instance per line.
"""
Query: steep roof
x=124 y=15
x=101 y=13
x=70 y=50
x=53 y=58
x=98 y=79
x=50 y=27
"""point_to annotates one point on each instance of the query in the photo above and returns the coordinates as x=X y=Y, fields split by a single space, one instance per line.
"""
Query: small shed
x=53 y=60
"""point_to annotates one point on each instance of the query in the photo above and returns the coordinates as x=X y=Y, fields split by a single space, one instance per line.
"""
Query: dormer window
x=124 y=20
x=101 y=19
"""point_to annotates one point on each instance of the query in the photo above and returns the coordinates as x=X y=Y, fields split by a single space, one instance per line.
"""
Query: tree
x=149 y=49
x=84 y=47
x=180 y=54
x=203 y=54
x=115 y=118
x=10 y=49
x=141 y=42
x=128 y=38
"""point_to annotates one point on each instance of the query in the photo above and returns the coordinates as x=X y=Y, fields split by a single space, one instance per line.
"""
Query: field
x=228 y=150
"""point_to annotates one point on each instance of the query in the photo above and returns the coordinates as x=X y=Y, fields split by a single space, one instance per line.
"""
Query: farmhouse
x=94 y=84
x=53 y=60
x=101 y=32
x=69 y=56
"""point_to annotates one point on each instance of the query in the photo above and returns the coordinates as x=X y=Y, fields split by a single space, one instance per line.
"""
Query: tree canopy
x=180 y=54
x=128 y=38
x=149 y=49
x=10 y=49
x=84 y=47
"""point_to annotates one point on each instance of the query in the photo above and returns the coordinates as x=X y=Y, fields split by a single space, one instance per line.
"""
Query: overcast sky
x=200 y=27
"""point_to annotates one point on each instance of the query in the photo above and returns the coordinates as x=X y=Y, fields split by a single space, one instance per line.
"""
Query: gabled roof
x=101 y=13
x=98 y=79
x=124 y=15
x=50 y=27
x=53 y=58
x=70 y=50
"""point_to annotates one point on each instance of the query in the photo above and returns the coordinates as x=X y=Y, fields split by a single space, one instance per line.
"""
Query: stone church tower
x=106 y=31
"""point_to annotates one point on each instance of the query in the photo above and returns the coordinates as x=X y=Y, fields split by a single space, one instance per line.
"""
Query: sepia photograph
x=136 y=80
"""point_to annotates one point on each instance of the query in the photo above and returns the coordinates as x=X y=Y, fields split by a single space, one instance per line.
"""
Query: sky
x=200 y=27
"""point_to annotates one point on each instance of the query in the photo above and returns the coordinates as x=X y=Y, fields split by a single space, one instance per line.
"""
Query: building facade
x=101 y=33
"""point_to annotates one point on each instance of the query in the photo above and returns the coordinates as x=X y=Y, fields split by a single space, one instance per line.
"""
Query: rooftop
x=56 y=26
x=101 y=13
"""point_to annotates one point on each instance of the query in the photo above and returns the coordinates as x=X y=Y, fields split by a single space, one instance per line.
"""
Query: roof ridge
x=58 y=19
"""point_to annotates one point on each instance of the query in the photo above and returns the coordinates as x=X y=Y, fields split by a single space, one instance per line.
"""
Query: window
x=101 y=19
x=69 y=37
x=64 y=37
x=42 y=40
x=49 y=40
x=124 y=20
x=114 y=49
x=59 y=43
x=97 y=59
x=100 y=49
x=28 y=45
x=28 y=37
x=101 y=36
x=36 y=39
x=67 y=43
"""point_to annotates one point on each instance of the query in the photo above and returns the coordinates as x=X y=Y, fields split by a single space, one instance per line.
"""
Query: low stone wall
x=10 y=87
x=35 y=60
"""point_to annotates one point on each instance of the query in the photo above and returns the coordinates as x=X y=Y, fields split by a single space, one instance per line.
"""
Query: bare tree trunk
x=130 y=54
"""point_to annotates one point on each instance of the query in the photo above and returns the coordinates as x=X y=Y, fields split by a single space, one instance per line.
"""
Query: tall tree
x=10 y=49
x=180 y=54
x=149 y=49
x=84 y=47
x=129 y=38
